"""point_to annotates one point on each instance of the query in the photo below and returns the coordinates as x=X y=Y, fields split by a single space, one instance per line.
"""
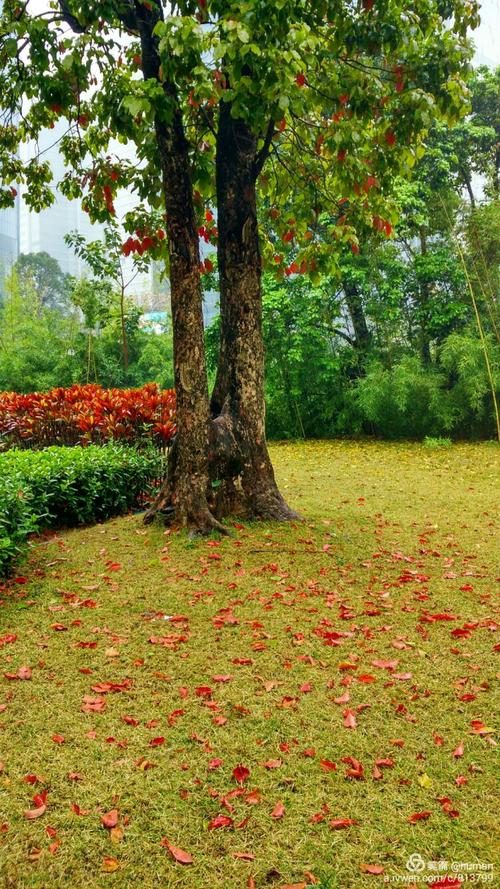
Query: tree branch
x=263 y=153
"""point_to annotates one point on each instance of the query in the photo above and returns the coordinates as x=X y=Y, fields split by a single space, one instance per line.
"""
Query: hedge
x=68 y=486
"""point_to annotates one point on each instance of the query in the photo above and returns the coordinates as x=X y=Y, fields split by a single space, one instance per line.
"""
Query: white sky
x=486 y=37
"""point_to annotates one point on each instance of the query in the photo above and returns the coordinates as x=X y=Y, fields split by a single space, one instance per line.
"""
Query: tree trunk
x=187 y=485
x=123 y=329
x=424 y=300
x=239 y=387
x=354 y=302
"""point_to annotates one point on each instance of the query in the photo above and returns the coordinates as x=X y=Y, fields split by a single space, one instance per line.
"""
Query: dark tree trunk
x=239 y=387
x=187 y=485
x=354 y=302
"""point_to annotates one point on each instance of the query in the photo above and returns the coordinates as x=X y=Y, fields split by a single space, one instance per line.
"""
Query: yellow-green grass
x=373 y=514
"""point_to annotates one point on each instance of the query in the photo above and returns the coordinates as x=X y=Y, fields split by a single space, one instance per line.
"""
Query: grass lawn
x=345 y=664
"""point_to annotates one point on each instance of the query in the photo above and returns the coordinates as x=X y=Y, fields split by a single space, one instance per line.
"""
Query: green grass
x=373 y=514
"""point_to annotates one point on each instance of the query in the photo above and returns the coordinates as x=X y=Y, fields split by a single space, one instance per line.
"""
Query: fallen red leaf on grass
x=459 y=751
x=110 y=819
x=240 y=774
x=58 y=739
x=341 y=823
x=102 y=688
x=40 y=803
x=419 y=816
x=371 y=868
x=278 y=811
x=327 y=765
x=93 y=705
x=177 y=854
x=356 y=770
x=220 y=821
x=22 y=673
x=109 y=865
x=349 y=719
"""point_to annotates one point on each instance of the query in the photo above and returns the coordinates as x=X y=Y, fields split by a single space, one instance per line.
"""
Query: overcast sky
x=486 y=36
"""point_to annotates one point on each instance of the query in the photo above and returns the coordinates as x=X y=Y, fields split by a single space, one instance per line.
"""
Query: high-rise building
x=45 y=231
x=9 y=241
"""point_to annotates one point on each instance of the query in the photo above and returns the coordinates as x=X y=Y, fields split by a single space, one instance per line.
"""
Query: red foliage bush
x=84 y=414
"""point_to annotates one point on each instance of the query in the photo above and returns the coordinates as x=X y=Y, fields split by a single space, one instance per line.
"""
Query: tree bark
x=362 y=335
x=187 y=485
x=239 y=386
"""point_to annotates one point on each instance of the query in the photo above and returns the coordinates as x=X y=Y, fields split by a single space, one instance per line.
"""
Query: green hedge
x=62 y=487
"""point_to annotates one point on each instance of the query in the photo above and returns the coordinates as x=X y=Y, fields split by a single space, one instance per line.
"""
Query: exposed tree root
x=238 y=487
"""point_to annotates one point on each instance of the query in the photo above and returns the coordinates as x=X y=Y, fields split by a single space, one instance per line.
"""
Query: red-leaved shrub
x=84 y=414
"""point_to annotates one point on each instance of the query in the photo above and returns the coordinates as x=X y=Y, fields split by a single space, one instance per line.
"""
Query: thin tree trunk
x=124 y=330
x=362 y=335
x=424 y=298
x=468 y=186
x=239 y=385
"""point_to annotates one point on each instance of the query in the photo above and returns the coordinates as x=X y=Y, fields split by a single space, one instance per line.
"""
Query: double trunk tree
x=219 y=462
x=338 y=100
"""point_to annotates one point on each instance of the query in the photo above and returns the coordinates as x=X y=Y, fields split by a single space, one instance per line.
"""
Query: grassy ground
x=276 y=624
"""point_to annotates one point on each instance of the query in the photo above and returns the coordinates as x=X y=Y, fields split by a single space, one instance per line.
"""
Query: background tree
x=105 y=258
x=43 y=274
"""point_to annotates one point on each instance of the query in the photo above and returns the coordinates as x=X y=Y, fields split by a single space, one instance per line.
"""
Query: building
x=45 y=231
x=9 y=241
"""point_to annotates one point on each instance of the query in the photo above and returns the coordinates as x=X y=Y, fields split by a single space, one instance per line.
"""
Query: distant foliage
x=68 y=486
x=85 y=414
x=406 y=401
x=434 y=444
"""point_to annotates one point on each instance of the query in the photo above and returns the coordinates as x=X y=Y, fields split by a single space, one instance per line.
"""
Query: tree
x=40 y=270
x=35 y=340
x=105 y=258
x=236 y=98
